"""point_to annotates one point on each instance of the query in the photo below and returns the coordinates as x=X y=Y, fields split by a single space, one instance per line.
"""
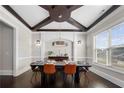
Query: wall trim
x=36 y=57
x=21 y=58
x=19 y=72
x=112 y=68
x=6 y=72
x=108 y=77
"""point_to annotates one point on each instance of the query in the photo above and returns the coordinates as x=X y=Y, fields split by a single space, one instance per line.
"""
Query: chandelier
x=61 y=43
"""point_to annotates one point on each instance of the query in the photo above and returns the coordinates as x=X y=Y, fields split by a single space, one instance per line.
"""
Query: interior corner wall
x=22 y=42
x=115 y=18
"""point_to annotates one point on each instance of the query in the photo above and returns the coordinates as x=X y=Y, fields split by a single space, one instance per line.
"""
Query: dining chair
x=70 y=69
x=36 y=72
x=49 y=70
x=84 y=71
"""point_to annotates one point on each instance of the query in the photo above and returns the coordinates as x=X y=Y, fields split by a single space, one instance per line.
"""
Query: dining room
x=61 y=46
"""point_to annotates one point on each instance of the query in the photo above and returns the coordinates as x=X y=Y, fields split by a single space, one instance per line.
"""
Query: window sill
x=112 y=68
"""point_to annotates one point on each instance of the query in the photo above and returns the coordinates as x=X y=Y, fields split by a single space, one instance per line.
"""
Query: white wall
x=79 y=50
x=112 y=75
x=22 y=42
x=36 y=50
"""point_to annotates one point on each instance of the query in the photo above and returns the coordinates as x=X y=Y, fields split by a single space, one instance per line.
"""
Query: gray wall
x=6 y=47
x=116 y=76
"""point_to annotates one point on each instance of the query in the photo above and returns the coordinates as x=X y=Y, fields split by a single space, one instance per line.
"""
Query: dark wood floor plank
x=24 y=81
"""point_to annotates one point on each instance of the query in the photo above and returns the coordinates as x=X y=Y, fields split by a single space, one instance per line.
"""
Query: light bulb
x=60 y=16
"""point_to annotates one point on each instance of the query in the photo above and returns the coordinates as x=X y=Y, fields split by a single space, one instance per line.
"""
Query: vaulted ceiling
x=60 y=17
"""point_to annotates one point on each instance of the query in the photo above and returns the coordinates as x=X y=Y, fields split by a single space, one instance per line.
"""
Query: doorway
x=6 y=49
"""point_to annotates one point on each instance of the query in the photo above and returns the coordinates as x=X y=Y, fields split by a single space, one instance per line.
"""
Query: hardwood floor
x=24 y=81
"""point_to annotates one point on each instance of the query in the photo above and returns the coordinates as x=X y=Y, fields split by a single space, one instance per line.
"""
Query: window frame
x=94 y=48
x=110 y=47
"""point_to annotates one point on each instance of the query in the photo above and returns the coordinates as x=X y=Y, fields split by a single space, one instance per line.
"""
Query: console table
x=58 y=58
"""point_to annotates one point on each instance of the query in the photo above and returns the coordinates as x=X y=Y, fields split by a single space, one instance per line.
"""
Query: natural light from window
x=110 y=45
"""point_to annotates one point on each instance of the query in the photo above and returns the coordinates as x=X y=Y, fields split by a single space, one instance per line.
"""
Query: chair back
x=35 y=68
x=49 y=69
x=70 y=68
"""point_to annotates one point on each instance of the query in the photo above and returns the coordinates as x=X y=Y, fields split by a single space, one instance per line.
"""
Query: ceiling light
x=60 y=16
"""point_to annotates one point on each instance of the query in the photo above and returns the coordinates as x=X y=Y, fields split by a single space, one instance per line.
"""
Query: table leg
x=42 y=76
x=77 y=77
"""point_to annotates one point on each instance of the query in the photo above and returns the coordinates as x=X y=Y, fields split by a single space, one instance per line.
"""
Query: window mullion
x=95 y=51
x=109 y=48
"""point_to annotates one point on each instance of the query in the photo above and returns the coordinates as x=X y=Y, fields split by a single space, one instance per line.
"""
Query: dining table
x=60 y=65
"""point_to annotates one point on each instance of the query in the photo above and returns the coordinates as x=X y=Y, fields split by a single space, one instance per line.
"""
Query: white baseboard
x=108 y=77
x=6 y=72
x=22 y=71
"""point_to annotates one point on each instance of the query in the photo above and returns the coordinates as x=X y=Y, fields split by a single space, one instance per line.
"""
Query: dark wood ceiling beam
x=76 y=24
x=70 y=20
x=7 y=7
x=57 y=30
x=108 y=12
x=73 y=7
x=46 y=7
x=42 y=23
x=70 y=7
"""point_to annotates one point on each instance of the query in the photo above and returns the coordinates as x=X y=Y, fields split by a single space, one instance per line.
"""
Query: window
x=117 y=57
x=101 y=47
x=109 y=46
x=117 y=50
x=117 y=34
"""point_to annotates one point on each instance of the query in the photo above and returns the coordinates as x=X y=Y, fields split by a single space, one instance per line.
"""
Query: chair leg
x=36 y=76
x=53 y=77
x=63 y=75
x=73 y=77
x=64 y=79
x=86 y=77
x=45 y=80
x=32 y=76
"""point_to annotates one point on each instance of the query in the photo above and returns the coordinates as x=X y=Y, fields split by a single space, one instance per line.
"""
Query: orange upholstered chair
x=70 y=69
x=49 y=70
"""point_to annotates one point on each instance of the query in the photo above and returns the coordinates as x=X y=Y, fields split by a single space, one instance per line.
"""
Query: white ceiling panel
x=59 y=25
x=86 y=15
x=32 y=14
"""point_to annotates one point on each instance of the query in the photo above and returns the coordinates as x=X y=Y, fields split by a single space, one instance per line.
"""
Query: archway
x=59 y=47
